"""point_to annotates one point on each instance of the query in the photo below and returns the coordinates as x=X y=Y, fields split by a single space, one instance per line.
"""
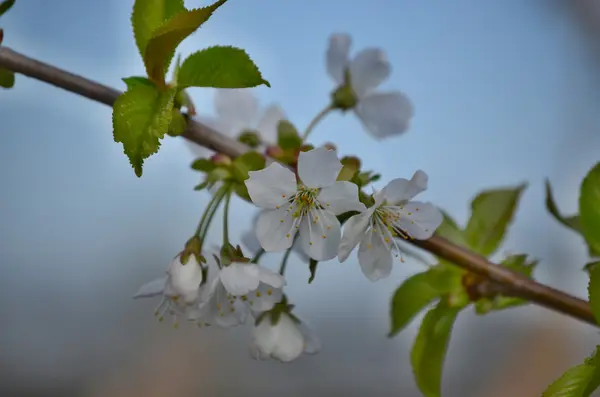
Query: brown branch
x=514 y=284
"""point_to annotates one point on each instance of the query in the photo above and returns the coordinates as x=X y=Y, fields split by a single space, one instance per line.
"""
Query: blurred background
x=504 y=91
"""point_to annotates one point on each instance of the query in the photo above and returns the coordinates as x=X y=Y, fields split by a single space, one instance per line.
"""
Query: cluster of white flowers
x=310 y=209
x=227 y=295
x=299 y=211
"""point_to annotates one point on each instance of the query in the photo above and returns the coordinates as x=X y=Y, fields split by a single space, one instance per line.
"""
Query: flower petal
x=385 y=114
x=400 y=190
x=318 y=167
x=229 y=312
x=341 y=197
x=272 y=186
x=419 y=219
x=264 y=298
x=312 y=342
x=236 y=109
x=185 y=279
x=153 y=288
x=336 y=57
x=270 y=277
x=369 y=68
x=320 y=235
x=354 y=230
x=374 y=257
x=273 y=234
x=298 y=250
x=267 y=126
x=290 y=341
x=240 y=278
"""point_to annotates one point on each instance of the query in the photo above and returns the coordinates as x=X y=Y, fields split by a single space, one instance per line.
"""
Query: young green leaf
x=594 y=291
x=134 y=81
x=7 y=78
x=312 y=266
x=450 y=230
x=413 y=295
x=220 y=67
x=203 y=165
x=589 y=208
x=578 y=381
x=572 y=222
x=491 y=213
x=164 y=40
x=287 y=135
x=148 y=15
x=429 y=350
x=249 y=161
x=178 y=123
x=141 y=117
x=5 y=6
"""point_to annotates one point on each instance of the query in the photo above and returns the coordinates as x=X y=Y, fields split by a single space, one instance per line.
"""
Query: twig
x=513 y=283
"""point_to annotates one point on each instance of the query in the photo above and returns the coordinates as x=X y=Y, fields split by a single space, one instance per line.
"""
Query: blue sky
x=503 y=91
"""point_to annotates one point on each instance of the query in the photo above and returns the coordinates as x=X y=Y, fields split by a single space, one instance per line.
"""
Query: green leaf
x=578 y=381
x=589 y=208
x=249 y=161
x=148 y=15
x=287 y=135
x=7 y=78
x=589 y=267
x=429 y=350
x=5 y=6
x=594 y=291
x=242 y=191
x=163 y=42
x=413 y=295
x=312 y=266
x=178 y=123
x=141 y=117
x=134 y=81
x=572 y=222
x=450 y=230
x=491 y=213
x=203 y=165
x=446 y=277
x=202 y=186
x=220 y=67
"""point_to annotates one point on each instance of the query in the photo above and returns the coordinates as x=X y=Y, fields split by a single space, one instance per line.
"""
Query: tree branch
x=512 y=283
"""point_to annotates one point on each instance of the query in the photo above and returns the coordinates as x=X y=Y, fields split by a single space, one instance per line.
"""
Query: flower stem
x=227 y=196
x=205 y=214
x=284 y=261
x=211 y=209
x=316 y=120
x=258 y=255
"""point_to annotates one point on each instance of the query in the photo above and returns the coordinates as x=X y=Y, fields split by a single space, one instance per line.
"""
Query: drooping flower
x=375 y=230
x=182 y=289
x=282 y=336
x=237 y=112
x=251 y=242
x=383 y=114
x=309 y=208
x=236 y=288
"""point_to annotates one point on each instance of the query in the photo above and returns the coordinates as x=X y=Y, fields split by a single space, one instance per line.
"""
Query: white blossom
x=249 y=239
x=383 y=114
x=284 y=341
x=237 y=288
x=182 y=289
x=309 y=208
x=237 y=110
x=375 y=230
